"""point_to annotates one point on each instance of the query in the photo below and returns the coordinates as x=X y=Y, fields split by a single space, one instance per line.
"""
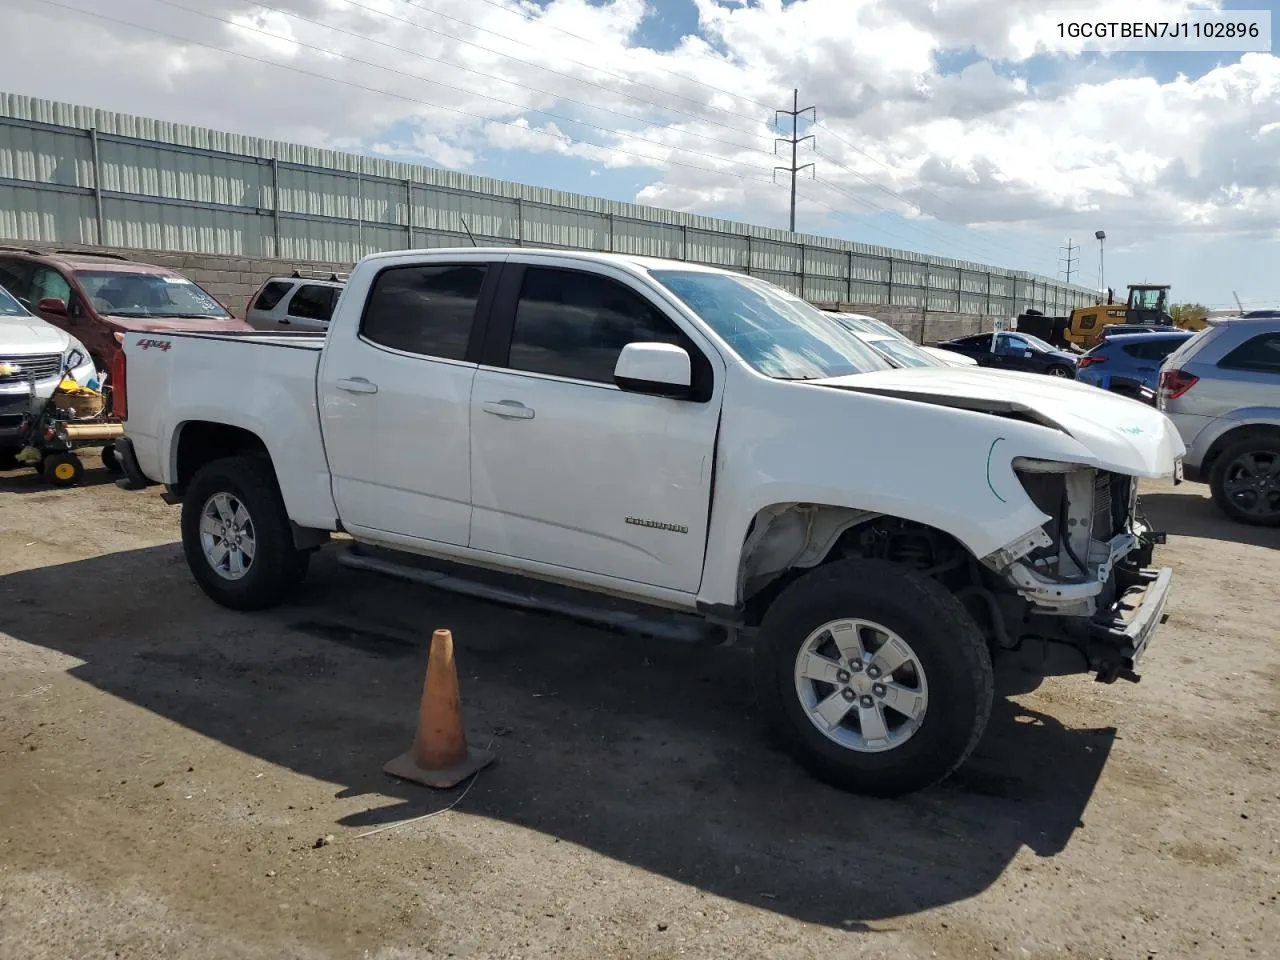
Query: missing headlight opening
x=1090 y=527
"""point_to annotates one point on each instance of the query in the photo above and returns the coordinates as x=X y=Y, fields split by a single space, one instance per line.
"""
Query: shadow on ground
x=643 y=751
x=26 y=479
x=1189 y=515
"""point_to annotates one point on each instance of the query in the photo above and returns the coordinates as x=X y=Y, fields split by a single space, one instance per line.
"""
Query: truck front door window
x=568 y=473
x=427 y=310
x=574 y=324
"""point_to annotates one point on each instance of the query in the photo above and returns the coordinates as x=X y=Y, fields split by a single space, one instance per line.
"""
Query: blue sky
x=1206 y=270
x=943 y=127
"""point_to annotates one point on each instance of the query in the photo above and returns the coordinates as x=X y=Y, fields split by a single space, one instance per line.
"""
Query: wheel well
x=201 y=442
x=1235 y=435
x=786 y=540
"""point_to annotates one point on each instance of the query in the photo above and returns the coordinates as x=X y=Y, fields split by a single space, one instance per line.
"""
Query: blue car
x=1129 y=363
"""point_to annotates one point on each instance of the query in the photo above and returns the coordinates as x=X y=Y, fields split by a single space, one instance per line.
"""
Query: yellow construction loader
x=1147 y=305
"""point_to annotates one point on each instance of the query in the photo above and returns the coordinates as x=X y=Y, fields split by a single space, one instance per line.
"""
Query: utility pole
x=1069 y=260
x=794 y=140
x=1101 y=237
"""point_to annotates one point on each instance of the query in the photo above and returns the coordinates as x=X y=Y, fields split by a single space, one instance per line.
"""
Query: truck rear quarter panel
x=262 y=384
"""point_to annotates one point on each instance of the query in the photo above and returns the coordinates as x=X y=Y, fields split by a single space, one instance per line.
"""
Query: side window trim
x=496 y=348
x=494 y=270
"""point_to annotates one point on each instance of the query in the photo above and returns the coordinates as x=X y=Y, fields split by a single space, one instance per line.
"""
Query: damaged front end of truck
x=1090 y=598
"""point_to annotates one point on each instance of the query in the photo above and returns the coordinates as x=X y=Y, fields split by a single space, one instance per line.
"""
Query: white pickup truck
x=679 y=449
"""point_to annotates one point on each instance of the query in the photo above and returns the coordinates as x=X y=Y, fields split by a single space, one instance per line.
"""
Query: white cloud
x=982 y=146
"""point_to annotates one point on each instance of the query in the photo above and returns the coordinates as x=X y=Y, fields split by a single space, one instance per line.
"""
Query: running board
x=525 y=594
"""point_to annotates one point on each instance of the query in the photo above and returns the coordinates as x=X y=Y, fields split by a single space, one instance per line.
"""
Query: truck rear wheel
x=236 y=535
x=878 y=680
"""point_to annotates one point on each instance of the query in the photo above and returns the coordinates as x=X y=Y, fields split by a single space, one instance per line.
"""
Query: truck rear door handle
x=511 y=409
x=356 y=385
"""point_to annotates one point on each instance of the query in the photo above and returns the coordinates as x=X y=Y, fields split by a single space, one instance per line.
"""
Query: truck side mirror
x=659 y=369
x=54 y=305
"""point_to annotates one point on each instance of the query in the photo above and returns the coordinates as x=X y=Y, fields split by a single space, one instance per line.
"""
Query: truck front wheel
x=236 y=535
x=877 y=678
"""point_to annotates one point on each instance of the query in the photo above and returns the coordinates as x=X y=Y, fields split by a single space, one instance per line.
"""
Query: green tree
x=1188 y=311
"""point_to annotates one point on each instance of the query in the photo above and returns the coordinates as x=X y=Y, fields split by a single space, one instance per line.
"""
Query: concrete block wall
x=233 y=280
x=917 y=324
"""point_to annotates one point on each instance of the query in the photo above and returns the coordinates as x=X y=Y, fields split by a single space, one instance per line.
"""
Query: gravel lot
x=170 y=771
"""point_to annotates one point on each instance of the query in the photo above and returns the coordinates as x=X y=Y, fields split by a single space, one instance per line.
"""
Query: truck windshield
x=905 y=353
x=776 y=332
x=9 y=307
x=120 y=294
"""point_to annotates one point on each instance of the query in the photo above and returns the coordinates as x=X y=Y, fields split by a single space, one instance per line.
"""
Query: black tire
x=62 y=469
x=1058 y=370
x=1265 y=447
x=110 y=460
x=944 y=637
x=277 y=565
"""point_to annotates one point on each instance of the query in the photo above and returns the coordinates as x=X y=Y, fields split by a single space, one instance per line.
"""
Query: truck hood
x=19 y=335
x=1122 y=435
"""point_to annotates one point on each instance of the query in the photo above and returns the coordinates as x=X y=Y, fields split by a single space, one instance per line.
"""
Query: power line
x=993 y=248
x=874 y=208
x=681 y=76
x=989 y=242
x=479 y=73
x=1000 y=253
x=1069 y=259
x=795 y=140
x=1007 y=250
x=560 y=138
x=449 y=86
x=607 y=73
x=537 y=66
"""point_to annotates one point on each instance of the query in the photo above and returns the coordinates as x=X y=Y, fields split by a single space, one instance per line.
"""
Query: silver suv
x=1222 y=390
x=295 y=303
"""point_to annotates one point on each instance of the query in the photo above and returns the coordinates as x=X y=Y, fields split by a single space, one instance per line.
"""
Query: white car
x=861 y=323
x=675 y=448
x=899 y=352
x=33 y=357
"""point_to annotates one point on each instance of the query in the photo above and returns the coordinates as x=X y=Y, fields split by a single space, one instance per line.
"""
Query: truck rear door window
x=427 y=310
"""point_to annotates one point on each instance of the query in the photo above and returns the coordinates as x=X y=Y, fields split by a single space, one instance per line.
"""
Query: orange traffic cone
x=440 y=756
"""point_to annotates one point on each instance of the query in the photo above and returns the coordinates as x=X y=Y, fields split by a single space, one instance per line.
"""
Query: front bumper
x=1118 y=638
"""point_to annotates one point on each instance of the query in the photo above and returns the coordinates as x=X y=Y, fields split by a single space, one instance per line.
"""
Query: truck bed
x=263 y=383
x=300 y=340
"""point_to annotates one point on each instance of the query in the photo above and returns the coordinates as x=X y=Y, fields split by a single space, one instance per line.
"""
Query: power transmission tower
x=794 y=140
x=1069 y=260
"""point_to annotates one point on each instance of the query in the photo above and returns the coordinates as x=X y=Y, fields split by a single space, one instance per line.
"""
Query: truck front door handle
x=511 y=409
x=356 y=385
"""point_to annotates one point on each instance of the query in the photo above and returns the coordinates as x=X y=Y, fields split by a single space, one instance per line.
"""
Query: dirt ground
x=170 y=773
